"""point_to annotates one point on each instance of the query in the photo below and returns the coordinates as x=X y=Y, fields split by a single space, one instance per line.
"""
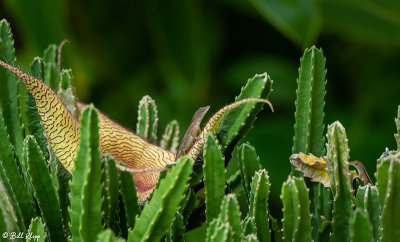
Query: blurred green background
x=192 y=53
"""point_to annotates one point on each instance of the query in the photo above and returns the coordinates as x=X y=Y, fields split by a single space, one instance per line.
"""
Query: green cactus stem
x=170 y=138
x=340 y=177
x=397 y=135
x=86 y=186
x=147 y=119
x=8 y=219
x=389 y=193
x=110 y=190
x=159 y=212
x=129 y=197
x=360 y=227
x=230 y=213
x=37 y=230
x=249 y=163
x=237 y=122
x=296 y=210
x=214 y=177
x=45 y=193
x=9 y=91
x=260 y=187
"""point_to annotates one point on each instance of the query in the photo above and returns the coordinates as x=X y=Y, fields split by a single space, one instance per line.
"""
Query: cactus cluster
x=221 y=196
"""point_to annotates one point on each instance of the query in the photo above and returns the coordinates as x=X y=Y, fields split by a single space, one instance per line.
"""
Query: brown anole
x=362 y=172
x=192 y=132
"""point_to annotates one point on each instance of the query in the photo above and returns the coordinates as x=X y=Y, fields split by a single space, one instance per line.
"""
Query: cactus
x=30 y=113
x=259 y=204
x=147 y=119
x=176 y=229
x=9 y=93
x=108 y=236
x=230 y=213
x=45 y=193
x=63 y=191
x=248 y=226
x=37 y=229
x=129 y=197
x=251 y=238
x=360 y=227
x=12 y=179
x=239 y=121
x=309 y=116
x=187 y=205
x=8 y=219
x=86 y=187
x=217 y=231
x=104 y=200
x=309 y=127
x=367 y=199
x=249 y=163
x=157 y=215
x=389 y=193
x=339 y=174
x=296 y=210
x=214 y=177
x=277 y=229
x=110 y=190
x=66 y=93
x=51 y=74
x=170 y=138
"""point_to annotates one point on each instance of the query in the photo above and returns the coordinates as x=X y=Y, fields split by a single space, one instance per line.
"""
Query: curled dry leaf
x=315 y=168
x=312 y=167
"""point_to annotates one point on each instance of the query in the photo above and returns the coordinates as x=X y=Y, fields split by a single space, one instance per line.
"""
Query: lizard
x=144 y=160
x=362 y=172
x=193 y=130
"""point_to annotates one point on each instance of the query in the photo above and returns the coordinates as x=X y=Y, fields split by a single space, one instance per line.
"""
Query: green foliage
x=391 y=195
x=45 y=193
x=360 y=227
x=158 y=214
x=260 y=187
x=30 y=113
x=230 y=213
x=217 y=231
x=309 y=127
x=102 y=200
x=13 y=179
x=248 y=226
x=9 y=93
x=170 y=138
x=214 y=178
x=37 y=229
x=129 y=197
x=296 y=210
x=176 y=229
x=86 y=186
x=309 y=116
x=239 y=121
x=339 y=174
x=8 y=220
x=51 y=74
x=147 y=119
x=249 y=163
x=368 y=199
x=110 y=190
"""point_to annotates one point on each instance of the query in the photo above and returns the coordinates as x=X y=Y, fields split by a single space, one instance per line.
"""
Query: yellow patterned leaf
x=312 y=167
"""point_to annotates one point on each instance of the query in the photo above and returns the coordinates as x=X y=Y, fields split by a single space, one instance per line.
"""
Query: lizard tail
x=214 y=122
